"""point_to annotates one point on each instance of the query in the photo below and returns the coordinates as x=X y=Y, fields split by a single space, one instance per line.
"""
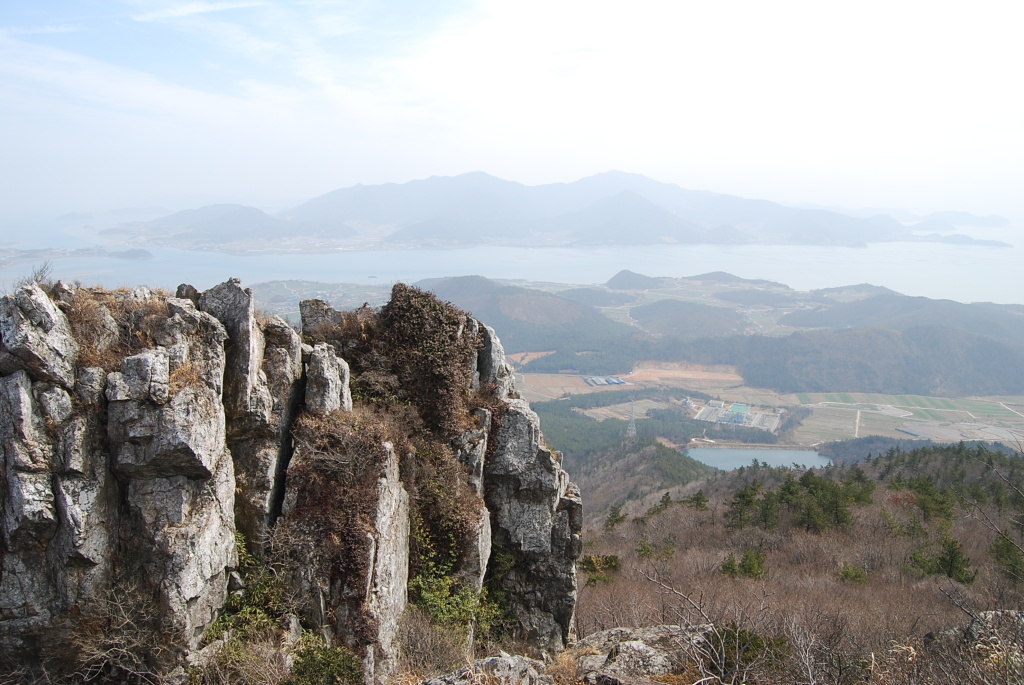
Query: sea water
x=956 y=272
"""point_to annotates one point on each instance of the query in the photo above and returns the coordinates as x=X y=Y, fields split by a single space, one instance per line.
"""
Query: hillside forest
x=850 y=574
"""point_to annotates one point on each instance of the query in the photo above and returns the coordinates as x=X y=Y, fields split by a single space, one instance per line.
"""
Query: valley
x=832 y=416
x=840 y=363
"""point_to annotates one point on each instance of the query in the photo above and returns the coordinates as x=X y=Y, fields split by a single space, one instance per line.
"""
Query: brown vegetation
x=112 y=325
x=849 y=604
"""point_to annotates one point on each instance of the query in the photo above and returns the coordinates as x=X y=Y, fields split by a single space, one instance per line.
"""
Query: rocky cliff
x=149 y=440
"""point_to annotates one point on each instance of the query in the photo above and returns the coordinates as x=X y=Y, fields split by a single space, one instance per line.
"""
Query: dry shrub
x=40 y=275
x=118 y=639
x=136 y=324
x=832 y=627
x=334 y=480
x=951 y=658
x=563 y=668
x=344 y=439
x=256 y=659
x=418 y=349
x=427 y=648
x=446 y=509
x=432 y=351
x=687 y=676
x=353 y=333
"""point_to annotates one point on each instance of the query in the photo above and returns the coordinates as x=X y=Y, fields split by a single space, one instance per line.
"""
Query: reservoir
x=728 y=458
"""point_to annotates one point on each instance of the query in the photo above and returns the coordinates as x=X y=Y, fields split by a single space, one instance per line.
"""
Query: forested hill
x=933 y=361
x=866 y=574
x=532 y=320
x=900 y=312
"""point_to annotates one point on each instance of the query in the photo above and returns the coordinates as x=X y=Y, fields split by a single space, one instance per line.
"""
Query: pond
x=728 y=458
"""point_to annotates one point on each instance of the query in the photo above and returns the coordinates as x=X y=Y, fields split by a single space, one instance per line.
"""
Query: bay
x=966 y=273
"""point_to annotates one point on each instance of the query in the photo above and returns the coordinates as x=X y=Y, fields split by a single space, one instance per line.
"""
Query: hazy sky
x=858 y=104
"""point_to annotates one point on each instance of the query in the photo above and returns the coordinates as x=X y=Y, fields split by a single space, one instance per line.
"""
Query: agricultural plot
x=953 y=416
x=880 y=424
x=540 y=387
x=825 y=424
x=623 y=411
x=754 y=397
x=982 y=409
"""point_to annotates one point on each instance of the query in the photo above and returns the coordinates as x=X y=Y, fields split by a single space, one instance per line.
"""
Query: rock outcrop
x=142 y=432
x=536 y=517
x=620 y=656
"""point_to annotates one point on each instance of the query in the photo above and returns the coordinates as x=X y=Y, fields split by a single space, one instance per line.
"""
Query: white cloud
x=37 y=30
x=188 y=9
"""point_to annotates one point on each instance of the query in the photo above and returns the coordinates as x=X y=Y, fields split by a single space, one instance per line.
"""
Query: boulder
x=37 y=334
x=317 y=313
x=497 y=670
x=263 y=377
x=628 y=654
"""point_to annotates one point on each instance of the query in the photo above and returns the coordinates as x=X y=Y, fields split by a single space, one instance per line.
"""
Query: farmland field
x=826 y=423
x=834 y=416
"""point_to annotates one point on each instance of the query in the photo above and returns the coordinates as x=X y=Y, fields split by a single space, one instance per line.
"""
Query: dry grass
x=186 y=375
x=429 y=649
x=111 y=325
x=563 y=668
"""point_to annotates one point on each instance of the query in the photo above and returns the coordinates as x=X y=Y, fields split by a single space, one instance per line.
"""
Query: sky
x=178 y=103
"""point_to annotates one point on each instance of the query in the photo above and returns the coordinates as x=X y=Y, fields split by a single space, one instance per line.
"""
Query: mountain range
x=612 y=208
x=859 y=338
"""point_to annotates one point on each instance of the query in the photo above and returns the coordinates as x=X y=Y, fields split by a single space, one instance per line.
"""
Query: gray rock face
x=317 y=313
x=36 y=333
x=389 y=569
x=327 y=378
x=537 y=517
x=130 y=483
x=73 y=531
x=246 y=394
x=261 y=396
x=30 y=517
x=169 y=445
x=492 y=367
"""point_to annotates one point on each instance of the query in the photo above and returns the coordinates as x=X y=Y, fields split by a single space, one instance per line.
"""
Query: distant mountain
x=624 y=219
x=850 y=292
x=723 y=277
x=210 y=225
x=760 y=298
x=901 y=312
x=927 y=360
x=630 y=280
x=633 y=469
x=606 y=209
x=530 y=320
x=612 y=208
x=218 y=223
